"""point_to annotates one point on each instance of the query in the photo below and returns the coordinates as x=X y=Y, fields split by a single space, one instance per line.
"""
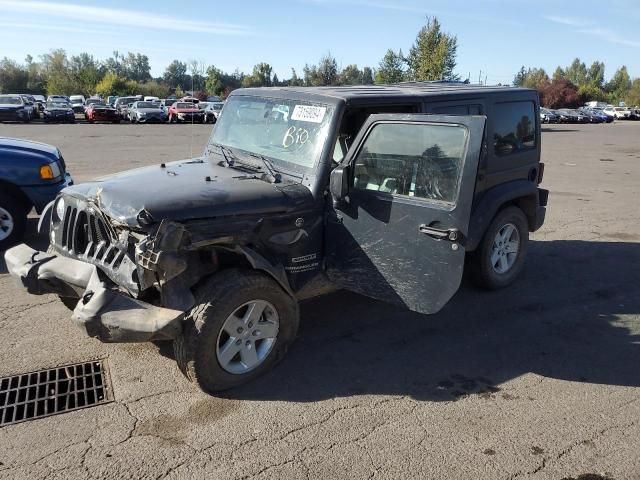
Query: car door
x=399 y=233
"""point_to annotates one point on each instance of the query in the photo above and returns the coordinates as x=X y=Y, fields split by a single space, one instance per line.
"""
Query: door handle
x=451 y=234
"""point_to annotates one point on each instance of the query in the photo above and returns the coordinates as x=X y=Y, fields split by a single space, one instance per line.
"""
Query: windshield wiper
x=275 y=176
x=228 y=160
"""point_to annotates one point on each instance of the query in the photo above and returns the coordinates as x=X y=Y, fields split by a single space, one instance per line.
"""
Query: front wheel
x=241 y=326
x=500 y=257
x=13 y=220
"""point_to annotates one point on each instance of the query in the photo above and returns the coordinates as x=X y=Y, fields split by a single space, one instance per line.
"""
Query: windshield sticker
x=308 y=113
x=295 y=135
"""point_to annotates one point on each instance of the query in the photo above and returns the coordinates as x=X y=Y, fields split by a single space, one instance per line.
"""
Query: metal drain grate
x=57 y=390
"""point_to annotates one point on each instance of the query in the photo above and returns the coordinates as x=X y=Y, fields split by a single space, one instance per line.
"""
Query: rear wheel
x=13 y=219
x=241 y=326
x=500 y=257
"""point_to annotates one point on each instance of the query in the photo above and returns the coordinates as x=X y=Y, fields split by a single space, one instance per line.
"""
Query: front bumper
x=102 y=311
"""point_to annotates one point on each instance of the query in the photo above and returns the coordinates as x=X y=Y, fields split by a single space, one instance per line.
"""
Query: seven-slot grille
x=85 y=233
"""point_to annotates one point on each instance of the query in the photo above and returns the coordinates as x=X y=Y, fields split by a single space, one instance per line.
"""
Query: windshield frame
x=298 y=170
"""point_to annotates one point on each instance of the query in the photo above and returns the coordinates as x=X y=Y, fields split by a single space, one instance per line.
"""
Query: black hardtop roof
x=398 y=91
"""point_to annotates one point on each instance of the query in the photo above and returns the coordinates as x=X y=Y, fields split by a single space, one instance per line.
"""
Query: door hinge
x=451 y=234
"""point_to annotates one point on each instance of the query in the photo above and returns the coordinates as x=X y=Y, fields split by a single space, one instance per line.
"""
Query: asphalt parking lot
x=540 y=380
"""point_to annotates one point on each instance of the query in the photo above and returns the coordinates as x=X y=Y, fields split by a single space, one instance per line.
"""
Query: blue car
x=31 y=175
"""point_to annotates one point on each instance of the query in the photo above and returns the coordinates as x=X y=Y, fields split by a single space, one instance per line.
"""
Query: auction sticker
x=308 y=113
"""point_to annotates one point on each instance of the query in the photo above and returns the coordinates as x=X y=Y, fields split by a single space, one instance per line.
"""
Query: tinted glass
x=416 y=160
x=471 y=109
x=514 y=127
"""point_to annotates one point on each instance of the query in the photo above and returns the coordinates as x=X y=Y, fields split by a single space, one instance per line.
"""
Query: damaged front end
x=131 y=285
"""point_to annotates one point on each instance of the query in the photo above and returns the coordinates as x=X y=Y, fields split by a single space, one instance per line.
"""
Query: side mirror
x=339 y=184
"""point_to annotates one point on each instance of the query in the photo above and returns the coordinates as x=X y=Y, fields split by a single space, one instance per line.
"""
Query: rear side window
x=514 y=127
x=470 y=109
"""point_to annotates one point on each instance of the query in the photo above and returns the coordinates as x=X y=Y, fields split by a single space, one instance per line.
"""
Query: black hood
x=180 y=191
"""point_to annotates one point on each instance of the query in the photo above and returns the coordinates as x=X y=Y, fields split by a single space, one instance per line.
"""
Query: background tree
x=530 y=78
x=619 y=85
x=260 y=76
x=633 y=95
x=576 y=73
x=391 y=68
x=294 y=81
x=367 y=76
x=176 y=74
x=351 y=75
x=135 y=66
x=328 y=70
x=85 y=73
x=558 y=93
x=59 y=79
x=433 y=55
x=13 y=77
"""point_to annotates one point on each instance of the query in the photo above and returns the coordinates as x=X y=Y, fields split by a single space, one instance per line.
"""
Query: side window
x=466 y=109
x=412 y=159
x=514 y=127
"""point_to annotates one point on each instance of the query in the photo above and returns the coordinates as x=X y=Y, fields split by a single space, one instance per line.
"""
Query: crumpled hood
x=181 y=192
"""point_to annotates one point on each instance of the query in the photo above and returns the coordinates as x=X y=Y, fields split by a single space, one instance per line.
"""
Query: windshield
x=290 y=132
x=185 y=105
x=146 y=105
x=10 y=100
x=57 y=104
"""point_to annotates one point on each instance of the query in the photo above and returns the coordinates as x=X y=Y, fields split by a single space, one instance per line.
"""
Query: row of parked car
x=134 y=109
x=588 y=115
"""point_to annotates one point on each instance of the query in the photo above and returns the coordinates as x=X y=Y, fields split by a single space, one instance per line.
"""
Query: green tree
x=57 y=71
x=135 y=66
x=433 y=55
x=260 y=76
x=13 y=77
x=559 y=74
x=619 y=85
x=213 y=82
x=85 y=73
x=36 y=81
x=520 y=77
x=633 y=95
x=351 y=75
x=176 y=74
x=576 y=73
x=112 y=84
x=367 y=76
x=391 y=68
x=595 y=74
x=328 y=70
x=294 y=81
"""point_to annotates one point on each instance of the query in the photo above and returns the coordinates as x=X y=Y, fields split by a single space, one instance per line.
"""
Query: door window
x=412 y=159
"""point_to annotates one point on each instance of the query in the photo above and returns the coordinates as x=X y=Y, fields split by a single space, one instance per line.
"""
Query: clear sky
x=494 y=36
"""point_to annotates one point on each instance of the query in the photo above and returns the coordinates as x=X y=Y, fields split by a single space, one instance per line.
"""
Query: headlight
x=49 y=171
x=60 y=208
x=70 y=110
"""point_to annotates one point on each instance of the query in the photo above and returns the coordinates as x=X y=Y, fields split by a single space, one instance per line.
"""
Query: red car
x=100 y=112
x=185 y=112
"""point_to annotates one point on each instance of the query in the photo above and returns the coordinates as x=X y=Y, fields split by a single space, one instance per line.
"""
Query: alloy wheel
x=247 y=337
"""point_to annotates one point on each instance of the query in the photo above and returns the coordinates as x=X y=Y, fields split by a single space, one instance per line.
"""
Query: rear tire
x=13 y=220
x=205 y=340
x=500 y=257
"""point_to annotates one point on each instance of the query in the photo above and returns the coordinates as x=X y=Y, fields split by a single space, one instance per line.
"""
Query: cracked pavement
x=537 y=381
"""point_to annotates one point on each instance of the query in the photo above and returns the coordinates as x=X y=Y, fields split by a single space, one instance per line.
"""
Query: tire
x=196 y=350
x=13 y=220
x=486 y=274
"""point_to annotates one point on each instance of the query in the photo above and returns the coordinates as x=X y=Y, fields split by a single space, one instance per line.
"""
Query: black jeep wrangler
x=389 y=191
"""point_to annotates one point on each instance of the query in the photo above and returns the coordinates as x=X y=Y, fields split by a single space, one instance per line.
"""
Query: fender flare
x=258 y=262
x=522 y=193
